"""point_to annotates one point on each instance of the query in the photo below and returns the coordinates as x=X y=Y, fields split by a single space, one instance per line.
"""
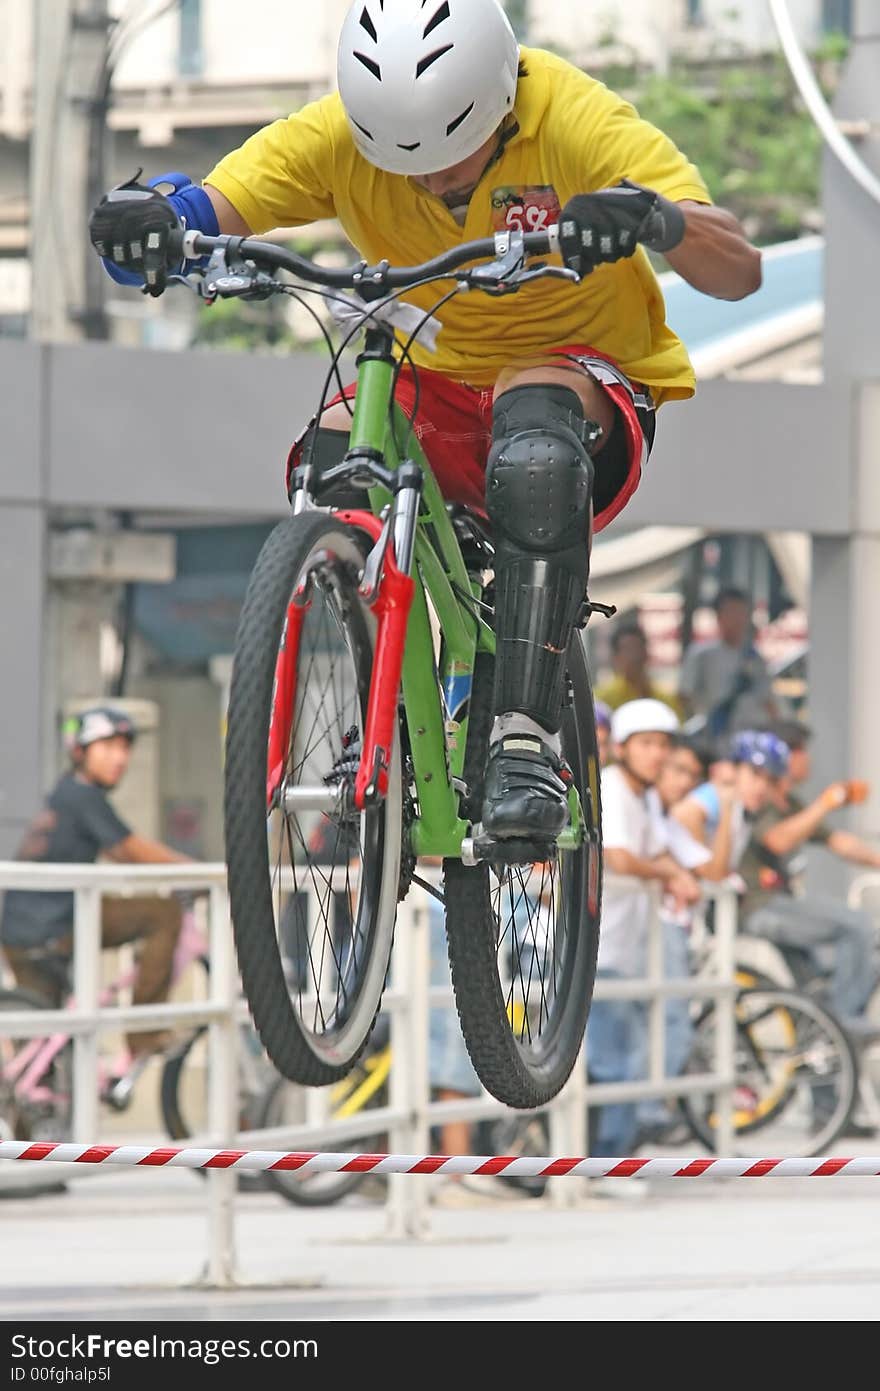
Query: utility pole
x=67 y=166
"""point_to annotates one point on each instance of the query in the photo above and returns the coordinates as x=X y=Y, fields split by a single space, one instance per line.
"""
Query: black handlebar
x=362 y=277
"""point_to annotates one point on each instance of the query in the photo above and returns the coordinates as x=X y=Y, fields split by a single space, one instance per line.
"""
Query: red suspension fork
x=284 y=695
x=392 y=604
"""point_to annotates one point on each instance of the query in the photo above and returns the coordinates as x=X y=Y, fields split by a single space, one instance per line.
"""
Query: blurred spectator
x=603 y=731
x=719 y=814
x=629 y=658
x=77 y=825
x=637 y=847
x=775 y=907
x=727 y=681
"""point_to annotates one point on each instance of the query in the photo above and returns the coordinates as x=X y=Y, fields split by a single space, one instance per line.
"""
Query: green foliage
x=237 y=326
x=751 y=138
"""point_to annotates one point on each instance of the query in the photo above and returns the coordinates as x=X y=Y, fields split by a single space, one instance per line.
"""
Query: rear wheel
x=313 y=883
x=523 y=939
x=796 y=1075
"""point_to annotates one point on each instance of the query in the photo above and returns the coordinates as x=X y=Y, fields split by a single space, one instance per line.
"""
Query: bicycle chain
x=408 y=817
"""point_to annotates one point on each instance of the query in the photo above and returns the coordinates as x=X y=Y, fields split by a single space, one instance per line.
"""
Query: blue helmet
x=603 y=714
x=762 y=750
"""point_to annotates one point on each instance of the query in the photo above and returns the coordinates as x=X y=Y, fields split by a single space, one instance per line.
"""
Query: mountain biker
x=540 y=410
x=76 y=825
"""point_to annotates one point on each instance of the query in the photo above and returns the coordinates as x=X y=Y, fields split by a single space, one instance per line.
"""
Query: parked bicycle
x=36 y=1074
x=341 y=711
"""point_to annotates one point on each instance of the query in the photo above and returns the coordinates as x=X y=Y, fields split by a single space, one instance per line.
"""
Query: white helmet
x=425 y=83
x=643 y=717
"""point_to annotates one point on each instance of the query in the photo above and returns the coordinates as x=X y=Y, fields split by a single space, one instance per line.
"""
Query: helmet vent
x=363 y=130
x=367 y=23
x=441 y=14
x=409 y=148
x=431 y=59
x=459 y=120
x=369 y=65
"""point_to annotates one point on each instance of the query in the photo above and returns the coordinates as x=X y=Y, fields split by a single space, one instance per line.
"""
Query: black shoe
x=526 y=792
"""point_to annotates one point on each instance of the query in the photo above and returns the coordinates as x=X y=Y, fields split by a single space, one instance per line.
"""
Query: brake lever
x=544 y=272
x=496 y=274
x=232 y=277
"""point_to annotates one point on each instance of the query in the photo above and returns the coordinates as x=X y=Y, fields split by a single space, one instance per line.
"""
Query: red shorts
x=454 y=427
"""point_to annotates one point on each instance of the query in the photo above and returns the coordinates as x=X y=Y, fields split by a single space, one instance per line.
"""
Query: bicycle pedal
x=118 y=1093
x=486 y=849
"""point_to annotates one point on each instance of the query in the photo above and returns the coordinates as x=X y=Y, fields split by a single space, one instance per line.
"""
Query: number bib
x=528 y=209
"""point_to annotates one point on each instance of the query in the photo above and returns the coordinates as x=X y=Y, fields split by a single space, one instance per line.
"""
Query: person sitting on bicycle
x=76 y=825
x=540 y=413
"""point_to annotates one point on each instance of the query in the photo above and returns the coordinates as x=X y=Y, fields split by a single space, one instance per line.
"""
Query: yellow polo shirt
x=574 y=136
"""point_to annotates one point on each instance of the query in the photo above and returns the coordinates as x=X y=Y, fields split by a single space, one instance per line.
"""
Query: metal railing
x=410 y=1113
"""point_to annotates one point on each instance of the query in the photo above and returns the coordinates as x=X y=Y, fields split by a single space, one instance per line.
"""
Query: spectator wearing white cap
x=638 y=847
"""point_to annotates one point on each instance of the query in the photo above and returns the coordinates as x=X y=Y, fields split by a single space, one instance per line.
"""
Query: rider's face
x=458 y=183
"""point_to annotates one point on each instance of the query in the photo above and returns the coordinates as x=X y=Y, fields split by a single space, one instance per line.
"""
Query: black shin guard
x=538 y=488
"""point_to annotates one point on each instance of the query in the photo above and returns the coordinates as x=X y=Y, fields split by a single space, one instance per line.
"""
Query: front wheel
x=313 y=883
x=523 y=939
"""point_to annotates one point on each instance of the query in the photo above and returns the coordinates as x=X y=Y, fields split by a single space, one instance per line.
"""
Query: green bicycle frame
x=436 y=697
x=438 y=739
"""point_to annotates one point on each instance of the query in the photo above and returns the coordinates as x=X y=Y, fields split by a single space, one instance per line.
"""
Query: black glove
x=133 y=226
x=595 y=228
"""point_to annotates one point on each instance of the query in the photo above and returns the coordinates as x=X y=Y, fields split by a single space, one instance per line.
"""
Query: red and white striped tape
x=508 y=1166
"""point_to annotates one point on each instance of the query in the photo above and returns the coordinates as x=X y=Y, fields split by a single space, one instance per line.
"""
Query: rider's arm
x=601 y=139
x=853 y=849
x=716 y=257
x=139 y=850
x=229 y=220
x=284 y=175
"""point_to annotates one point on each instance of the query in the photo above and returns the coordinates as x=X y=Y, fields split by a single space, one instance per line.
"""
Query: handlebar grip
x=176 y=252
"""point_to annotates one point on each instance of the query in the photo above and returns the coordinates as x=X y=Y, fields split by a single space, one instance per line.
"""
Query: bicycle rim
x=523 y=939
x=796 y=1075
x=314 y=899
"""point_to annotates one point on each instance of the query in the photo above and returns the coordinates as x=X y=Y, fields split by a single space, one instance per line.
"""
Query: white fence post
x=407 y=1214
x=86 y=969
x=725 y=1014
x=223 y=1118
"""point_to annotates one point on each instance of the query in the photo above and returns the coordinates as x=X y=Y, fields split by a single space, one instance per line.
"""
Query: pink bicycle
x=36 y=1074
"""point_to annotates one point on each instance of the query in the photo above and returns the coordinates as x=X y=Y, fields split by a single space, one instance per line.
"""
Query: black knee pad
x=539 y=483
x=539 y=477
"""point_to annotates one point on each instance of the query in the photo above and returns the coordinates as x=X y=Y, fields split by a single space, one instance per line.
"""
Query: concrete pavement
x=131 y=1244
